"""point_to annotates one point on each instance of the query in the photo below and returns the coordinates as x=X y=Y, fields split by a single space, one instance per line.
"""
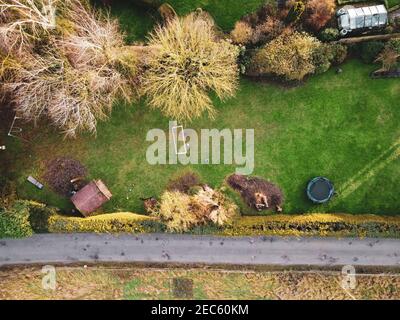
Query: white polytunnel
x=350 y=18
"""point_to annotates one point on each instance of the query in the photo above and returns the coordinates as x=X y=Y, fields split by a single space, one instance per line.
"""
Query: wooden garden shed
x=91 y=197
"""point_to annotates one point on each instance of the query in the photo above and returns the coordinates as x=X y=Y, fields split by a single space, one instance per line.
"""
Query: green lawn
x=334 y=125
x=344 y=127
x=225 y=12
x=138 y=20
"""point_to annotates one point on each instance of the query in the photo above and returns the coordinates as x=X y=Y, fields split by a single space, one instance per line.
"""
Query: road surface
x=162 y=248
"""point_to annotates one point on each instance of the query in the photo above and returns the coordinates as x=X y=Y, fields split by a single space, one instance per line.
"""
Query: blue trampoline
x=320 y=190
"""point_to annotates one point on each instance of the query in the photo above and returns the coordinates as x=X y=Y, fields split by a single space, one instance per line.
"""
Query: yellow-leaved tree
x=189 y=63
x=290 y=55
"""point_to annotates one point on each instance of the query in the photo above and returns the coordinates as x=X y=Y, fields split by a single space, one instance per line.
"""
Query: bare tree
x=77 y=75
x=21 y=21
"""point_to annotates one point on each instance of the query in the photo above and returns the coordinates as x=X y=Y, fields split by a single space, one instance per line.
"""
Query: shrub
x=329 y=34
x=175 y=211
x=267 y=30
x=394 y=44
x=242 y=33
x=8 y=192
x=269 y=9
x=14 y=221
x=289 y=55
x=121 y=222
x=214 y=206
x=190 y=62
x=258 y=193
x=395 y=23
x=316 y=224
x=60 y=172
x=184 y=183
x=322 y=58
x=295 y=12
x=181 y=212
x=263 y=25
x=22 y=21
x=39 y=215
x=370 y=50
x=319 y=13
x=339 y=53
x=388 y=57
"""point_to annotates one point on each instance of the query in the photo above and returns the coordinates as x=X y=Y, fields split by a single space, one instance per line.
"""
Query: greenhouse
x=350 y=19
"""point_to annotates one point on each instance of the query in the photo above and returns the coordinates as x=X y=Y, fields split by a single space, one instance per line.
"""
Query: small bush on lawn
x=370 y=50
x=14 y=221
x=258 y=193
x=121 y=222
x=184 y=182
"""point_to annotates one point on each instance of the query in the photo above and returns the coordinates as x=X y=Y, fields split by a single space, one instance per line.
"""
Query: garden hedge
x=14 y=221
x=316 y=224
x=25 y=217
x=121 y=222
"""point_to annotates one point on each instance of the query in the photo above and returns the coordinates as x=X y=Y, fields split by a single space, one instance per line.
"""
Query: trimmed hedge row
x=316 y=224
x=121 y=222
x=26 y=217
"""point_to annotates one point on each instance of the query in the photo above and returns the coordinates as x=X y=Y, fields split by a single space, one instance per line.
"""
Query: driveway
x=162 y=248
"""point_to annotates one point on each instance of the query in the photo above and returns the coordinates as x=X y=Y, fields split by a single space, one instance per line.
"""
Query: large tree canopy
x=63 y=60
x=190 y=62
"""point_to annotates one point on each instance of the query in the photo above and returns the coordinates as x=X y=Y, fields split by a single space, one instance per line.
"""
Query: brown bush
x=60 y=172
x=319 y=12
x=261 y=15
x=184 y=183
x=250 y=188
x=242 y=33
x=268 y=30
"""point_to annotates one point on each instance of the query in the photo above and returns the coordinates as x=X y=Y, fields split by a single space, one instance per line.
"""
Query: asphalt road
x=162 y=248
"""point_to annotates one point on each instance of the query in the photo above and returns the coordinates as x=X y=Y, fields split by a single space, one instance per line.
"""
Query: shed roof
x=91 y=197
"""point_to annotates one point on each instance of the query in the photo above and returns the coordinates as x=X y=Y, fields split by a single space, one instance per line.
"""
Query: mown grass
x=339 y=126
x=334 y=125
x=225 y=13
